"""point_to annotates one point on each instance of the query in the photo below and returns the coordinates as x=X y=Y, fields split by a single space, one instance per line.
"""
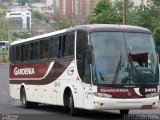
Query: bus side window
x=25 y=52
x=67 y=45
x=34 y=51
x=60 y=47
x=12 y=52
x=70 y=44
x=82 y=42
x=86 y=69
x=18 y=54
x=54 y=47
x=63 y=40
x=44 y=49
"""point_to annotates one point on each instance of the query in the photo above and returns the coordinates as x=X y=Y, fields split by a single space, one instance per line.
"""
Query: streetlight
x=124 y=12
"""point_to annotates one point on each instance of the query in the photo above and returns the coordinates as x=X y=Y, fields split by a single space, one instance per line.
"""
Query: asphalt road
x=10 y=109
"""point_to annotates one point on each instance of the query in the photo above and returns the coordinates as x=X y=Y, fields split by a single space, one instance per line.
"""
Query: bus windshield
x=4 y=45
x=123 y=58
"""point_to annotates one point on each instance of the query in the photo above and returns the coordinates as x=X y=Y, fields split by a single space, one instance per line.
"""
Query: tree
x=154 y=2
x=35 y=1
x=156 y=35
x=37 y=15
x=22 y=35
x=104 y=12
x=23 y=2
x=4 y=25
x=109 y=12
x=101 y=6
x=62 y=24
x=155 y=12
x=145 y=16
x=141 y=17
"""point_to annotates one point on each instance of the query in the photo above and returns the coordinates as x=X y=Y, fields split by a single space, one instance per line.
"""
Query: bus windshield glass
x=2 y=43
x=123 y=58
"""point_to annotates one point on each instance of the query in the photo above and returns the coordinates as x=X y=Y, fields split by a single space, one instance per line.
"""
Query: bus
x=93 y=67
x=4 y=45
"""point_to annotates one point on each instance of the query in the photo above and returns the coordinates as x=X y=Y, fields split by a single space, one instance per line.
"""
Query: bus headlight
x=102 y=95
x=152 y=95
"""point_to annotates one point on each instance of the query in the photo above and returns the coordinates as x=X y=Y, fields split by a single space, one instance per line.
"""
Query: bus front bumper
x=140 y=103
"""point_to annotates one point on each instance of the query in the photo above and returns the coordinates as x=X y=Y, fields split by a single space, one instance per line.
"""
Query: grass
x=4 y=56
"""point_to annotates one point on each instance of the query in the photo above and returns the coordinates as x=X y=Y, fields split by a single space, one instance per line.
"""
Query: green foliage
x=4 y=29
x=23 y=2
x=37 y=15
x=4 y=25
x=61 y=24
x=109 y=12
x=139 y=17
x=155 y=2
x=156 y=35
x=22 y=35
x=145 y=16
x=35 y=1
x=2 y=10
x=2 y=6
x=4 y=58
x=101 y=6
x=108 y=17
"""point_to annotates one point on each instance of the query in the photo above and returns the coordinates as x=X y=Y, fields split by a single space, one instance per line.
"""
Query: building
x=50 y=3
x=20 y=19
x=90 y=4
x=60 y=9
x=139 y=2
x=65 y=9
x=76 y=9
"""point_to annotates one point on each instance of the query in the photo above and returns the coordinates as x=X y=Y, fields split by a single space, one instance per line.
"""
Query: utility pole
x=124 y=12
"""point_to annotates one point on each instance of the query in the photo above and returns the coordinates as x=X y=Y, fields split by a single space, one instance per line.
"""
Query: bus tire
x=124 y=112
x=25 y=103
x=73 y=110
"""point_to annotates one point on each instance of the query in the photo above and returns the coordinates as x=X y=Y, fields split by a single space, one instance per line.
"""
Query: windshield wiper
x=117 y=69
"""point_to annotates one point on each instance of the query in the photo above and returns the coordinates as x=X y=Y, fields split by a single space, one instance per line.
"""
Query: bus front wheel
x=124 y=112
x=73 y=110
x=25 y=103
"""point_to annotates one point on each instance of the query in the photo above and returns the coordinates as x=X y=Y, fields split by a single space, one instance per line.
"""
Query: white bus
x=4 y=45
x=94 y=67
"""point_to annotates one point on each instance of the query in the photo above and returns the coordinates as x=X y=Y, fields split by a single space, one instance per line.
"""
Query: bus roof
x=110 y=27
x=39 y=36
x=4 y=41
x=91 y=28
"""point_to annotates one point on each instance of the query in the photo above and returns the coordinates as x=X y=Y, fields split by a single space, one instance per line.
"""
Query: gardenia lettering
x=114 y=90
x=24 y=71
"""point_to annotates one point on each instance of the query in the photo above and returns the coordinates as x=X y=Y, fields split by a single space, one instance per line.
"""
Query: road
x=10 y=109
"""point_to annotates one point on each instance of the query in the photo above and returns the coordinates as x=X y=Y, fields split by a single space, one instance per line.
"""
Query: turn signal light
x=146 y=106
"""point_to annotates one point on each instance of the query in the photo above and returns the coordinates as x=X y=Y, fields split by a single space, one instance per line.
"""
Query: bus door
x=87 y=87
